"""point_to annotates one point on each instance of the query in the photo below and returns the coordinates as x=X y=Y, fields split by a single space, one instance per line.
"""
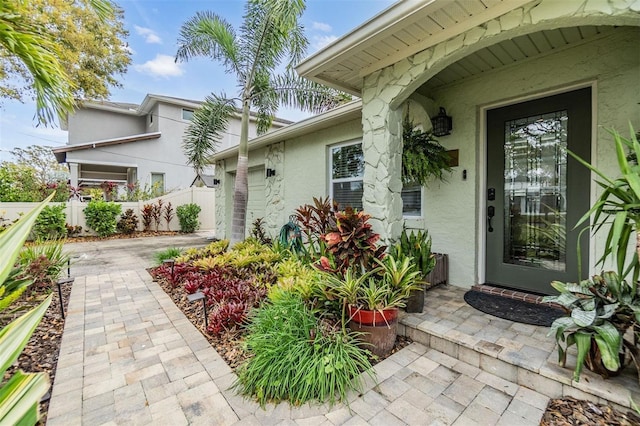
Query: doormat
x=512 y=309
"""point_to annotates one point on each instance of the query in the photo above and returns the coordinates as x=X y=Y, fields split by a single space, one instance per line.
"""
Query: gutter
x=340 y=114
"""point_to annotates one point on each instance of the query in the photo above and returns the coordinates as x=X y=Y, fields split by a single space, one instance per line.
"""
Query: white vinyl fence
x=204 y=197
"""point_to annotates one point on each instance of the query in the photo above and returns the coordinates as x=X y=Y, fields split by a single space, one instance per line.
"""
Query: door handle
x=491 y=212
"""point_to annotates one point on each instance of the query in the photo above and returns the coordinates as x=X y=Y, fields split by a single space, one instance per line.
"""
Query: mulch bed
x=137 y=234
x=570 y=411
x=41 y=353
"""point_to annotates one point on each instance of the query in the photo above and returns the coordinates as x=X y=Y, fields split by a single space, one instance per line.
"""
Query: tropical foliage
x=423 y=158
x=21 y=394
x=298 y=357
x=60 y=51
x=270 y=36
x=600 y=311
x=618 y=207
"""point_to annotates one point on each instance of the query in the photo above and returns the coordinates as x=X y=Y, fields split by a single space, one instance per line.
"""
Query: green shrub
x=51 y=223
x=168 y=253
x=43 y=263
x=297 y=357
x=101 y=216
x=128 y=223
x=188 y=217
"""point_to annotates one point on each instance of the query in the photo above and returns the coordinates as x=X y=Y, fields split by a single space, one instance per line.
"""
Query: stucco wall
x=88 y=125
x=301 y=174
x=306 y=164
x=451 y=208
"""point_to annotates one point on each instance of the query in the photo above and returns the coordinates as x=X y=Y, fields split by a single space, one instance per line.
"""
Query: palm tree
x=269 y=34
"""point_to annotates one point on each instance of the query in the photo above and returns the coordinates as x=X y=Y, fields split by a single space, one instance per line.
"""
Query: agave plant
x=21 y=394
x=600 y=310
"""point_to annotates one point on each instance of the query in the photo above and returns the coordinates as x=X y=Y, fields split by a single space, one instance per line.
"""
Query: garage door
x=256 y=205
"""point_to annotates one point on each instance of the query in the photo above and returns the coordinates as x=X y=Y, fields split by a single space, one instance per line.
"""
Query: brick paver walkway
x=129 y=356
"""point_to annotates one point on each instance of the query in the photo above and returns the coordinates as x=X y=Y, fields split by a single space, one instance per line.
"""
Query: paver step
x=519 y=353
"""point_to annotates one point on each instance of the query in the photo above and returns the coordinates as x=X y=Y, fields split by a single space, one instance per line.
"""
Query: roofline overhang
x=357 y=38
x=340 y=114
x=374 y=30
x=61 y=152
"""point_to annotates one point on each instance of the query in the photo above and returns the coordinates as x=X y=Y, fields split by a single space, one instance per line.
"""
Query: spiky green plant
x=299 y=358
x=166 y=254
x=618 y=207
x=21 y=394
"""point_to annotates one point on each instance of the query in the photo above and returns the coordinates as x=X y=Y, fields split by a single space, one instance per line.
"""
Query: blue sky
x=153 y=27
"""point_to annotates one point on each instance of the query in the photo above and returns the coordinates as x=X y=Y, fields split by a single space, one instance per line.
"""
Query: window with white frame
x=157 y=182
x=347 y=170
x=412 y=200
x=187 y=114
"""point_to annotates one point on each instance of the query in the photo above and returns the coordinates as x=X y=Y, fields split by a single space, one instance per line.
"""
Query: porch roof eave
x=332 y=66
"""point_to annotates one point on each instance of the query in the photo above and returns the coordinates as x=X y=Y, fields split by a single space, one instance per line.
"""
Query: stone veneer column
x=274 y=189
x=385 y=90
x=220 y=194
x=382 y=147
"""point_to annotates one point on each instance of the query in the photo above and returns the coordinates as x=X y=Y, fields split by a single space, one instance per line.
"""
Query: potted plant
x=600 y=311
x=423 y=158
x=418 y=247
x=370 y=301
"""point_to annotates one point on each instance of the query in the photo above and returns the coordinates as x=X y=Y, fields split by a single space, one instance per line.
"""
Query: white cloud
x=321 y=26
x=321 y=41
x=161 y=66
x=149 y=35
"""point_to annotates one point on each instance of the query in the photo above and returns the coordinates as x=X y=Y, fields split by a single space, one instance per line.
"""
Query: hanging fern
x=423 y=158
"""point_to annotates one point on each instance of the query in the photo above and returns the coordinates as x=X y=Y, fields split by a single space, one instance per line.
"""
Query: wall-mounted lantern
x=442 y=123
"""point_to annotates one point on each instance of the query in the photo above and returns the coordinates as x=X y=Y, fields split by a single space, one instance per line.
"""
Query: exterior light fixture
x=172 y=264
x=442 y=123
x=271 y=172
x=200 y=296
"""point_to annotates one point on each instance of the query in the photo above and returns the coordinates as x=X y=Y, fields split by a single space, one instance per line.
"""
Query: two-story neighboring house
x=128 y=143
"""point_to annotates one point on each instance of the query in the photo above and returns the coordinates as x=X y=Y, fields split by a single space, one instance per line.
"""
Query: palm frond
x=293 y=91
x=207 y=34
x=270 y=33
x=33 y=45
x=263 y=102
x=203 y=134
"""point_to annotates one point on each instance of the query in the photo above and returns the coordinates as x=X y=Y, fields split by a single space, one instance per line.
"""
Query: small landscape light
x=195 y=297
x=172 y=263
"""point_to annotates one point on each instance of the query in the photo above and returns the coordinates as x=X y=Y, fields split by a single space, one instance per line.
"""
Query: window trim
x=183 y=110
x=164 y=179
x=415 y=217
x=331 y=180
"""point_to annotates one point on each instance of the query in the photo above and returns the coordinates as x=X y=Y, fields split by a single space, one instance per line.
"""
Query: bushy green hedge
x=188 y=217
x=50 y=223
x=102 y=216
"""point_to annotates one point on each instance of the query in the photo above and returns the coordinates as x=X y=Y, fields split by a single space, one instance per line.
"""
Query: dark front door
x=536 y=192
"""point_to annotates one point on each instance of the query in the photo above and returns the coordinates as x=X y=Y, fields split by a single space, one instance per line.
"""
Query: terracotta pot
x=379 y=339
x=366 y=317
